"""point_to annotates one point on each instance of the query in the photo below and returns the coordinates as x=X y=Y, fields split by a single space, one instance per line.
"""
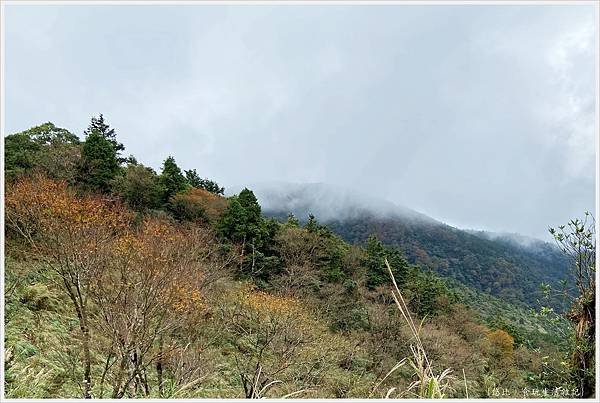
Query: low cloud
x=479 y=116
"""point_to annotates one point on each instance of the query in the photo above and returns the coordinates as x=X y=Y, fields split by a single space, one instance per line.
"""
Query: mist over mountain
x=326 y=202
x=531 y=244
x=510 y=266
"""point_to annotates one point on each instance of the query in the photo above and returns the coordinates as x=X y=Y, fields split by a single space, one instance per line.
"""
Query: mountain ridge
x=504 y=265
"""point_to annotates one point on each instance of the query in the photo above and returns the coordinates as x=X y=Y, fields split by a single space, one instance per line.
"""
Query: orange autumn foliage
x=152 y=288
x=49 y=213
x=160 y=260
x=132 y=284
x=72 y=235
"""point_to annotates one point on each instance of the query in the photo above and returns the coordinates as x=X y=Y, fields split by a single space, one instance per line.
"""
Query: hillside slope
x=502 y=266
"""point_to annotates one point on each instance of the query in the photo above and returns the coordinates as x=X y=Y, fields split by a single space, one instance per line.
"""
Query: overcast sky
x=479 y=116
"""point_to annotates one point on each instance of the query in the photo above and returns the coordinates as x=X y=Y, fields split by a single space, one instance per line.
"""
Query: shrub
x=197 y=205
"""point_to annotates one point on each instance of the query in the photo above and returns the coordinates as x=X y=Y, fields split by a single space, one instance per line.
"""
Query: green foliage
x=100 y=160
x=99 y=126
x=292 y=221
x=577 y=240
x=196 y=181
x=232 y=225
x=39 y=349
x=376 y=269
x=332 y=250
x=186 y=209
x=250 y=205
x=171 y=179
x=48 y=133
x=242 y=222
x=20 y=154
x=331 y=261
x=350 y=316
x=514 y=331
x=327 y=326
x=99 y=164
x=139 y=186
x=45 y=147
x=311 y=225
x=499 y=268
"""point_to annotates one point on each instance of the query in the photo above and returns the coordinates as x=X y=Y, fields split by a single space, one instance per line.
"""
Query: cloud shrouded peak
x=480 y=116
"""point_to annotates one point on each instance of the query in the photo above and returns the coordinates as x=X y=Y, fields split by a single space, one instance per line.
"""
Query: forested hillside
x=121 y=281
x=507 y=267
x=501 y=269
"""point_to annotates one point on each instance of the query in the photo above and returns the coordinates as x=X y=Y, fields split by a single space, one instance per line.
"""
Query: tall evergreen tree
x=99 y=164
x=243 y=224
x=232 y=224
x=171 y=179
x=193 y=178
x=249 y=203
x=242 y=221
x=377 y=272
x=312 y=225
x=99 y=126
x=292 y=221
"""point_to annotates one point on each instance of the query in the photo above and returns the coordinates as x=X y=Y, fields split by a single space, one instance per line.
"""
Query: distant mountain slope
x=498 y=264
x=493 y=266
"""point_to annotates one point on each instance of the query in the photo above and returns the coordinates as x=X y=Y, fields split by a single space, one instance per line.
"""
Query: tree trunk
x=159 y=369
x=117 y=392
x=107 y=365
x=80 y=309
x=87 y=361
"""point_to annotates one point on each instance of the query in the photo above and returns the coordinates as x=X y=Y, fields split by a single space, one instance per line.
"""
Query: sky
x=479 y=116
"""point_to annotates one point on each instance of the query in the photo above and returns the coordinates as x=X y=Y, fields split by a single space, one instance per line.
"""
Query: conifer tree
x=376 y=269
x=199 y=183
x=99 y=126
x=312 y=225
x=242 y=221
x=99 y=164
x=171 y=179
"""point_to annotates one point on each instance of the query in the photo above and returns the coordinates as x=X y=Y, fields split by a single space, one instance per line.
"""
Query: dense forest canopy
x=507 y=267
x=126 y=282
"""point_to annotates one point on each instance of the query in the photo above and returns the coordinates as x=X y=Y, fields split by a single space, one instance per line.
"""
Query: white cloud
x=479 y=116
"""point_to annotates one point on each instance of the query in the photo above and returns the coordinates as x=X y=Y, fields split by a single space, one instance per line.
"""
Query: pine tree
x=233 y=223
x=193 y=178
x=312 y=225
x=292 y=221
x=243 y=222
x=171 y=179
x=377 y=273
x=249 y=203
x=99 y=164
x=99 y=126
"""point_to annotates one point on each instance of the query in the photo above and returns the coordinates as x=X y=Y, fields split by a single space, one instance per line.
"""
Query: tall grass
x=426 y=383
